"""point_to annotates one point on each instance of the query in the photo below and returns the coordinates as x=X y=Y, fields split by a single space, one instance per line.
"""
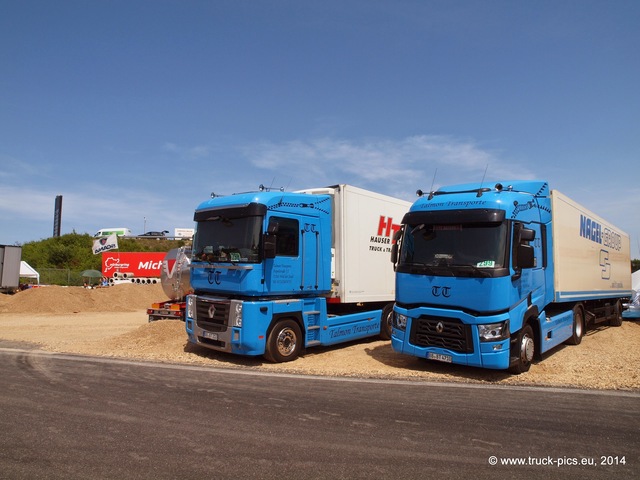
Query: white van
x=119 y=231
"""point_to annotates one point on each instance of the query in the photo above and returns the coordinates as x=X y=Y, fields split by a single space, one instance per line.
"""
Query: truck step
x=313 y=327
x=313 y=343
x=312 y=312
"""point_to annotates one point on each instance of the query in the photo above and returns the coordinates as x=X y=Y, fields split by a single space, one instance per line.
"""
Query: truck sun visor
x=480 y=215
x=251 y=209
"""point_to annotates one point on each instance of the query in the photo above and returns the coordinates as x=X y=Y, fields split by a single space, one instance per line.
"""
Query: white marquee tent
x=27 y=271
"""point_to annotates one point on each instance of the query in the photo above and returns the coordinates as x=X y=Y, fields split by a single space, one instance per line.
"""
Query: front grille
x=212 y=315
x=449 y=333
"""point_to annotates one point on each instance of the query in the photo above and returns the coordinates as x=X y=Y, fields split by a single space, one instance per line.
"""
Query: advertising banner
x=105 y=244
x=183 y=232
x=133 y=264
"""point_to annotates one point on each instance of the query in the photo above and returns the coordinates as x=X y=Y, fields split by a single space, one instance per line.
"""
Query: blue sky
x=135 y=111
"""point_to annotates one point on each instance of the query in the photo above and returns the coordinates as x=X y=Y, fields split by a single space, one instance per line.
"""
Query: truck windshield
x=223 y=239
x=474 y=249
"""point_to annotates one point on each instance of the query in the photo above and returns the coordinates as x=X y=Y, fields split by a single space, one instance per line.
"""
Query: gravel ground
x=112 y=322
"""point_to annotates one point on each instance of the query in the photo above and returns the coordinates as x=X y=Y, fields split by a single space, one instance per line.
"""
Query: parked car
x=154 y=234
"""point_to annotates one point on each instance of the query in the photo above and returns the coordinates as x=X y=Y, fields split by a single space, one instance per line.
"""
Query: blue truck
x=276 y=272
x=495 y=276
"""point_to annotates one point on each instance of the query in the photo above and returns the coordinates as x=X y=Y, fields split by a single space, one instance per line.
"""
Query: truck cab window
x=224 y=239
x=480 y=245
x=463 y=248
x=287 y=231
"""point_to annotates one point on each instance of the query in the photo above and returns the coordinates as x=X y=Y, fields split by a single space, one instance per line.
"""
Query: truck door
x=295 y=267
x=283 y=272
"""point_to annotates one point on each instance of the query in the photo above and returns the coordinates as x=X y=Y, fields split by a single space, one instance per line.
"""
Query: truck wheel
x=386 y=321
x=284 y=342
x=578 y=326
x=522 y=350
x=616 y=321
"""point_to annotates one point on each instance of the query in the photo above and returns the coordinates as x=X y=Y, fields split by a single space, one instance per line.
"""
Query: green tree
x=74 y=252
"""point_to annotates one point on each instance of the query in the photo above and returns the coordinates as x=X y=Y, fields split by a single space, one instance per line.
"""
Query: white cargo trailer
x=591 y=257
x=363 y=226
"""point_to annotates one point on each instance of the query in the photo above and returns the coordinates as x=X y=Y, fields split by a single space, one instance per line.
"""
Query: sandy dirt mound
x=113 y=322
x=126 y=297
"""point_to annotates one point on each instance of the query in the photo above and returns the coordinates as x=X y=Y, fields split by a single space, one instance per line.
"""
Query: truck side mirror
x=394 y=253
x=524 y=254
x=269 y=242
x=526 y=257
x=394 y=247
x=527 y=235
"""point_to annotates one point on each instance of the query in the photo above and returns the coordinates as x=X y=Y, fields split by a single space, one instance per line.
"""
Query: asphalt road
x=84 y=418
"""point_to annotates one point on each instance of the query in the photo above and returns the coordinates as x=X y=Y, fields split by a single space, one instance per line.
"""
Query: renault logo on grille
x=440 y=327
x=212 y=311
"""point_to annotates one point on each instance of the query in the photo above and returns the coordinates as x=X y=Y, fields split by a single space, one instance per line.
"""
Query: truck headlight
x=491 y=332
x=399 y=321
x=236 y=313
x=191 y=306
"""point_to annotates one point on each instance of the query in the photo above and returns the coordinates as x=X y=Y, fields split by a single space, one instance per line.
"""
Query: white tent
x=635 y=280
x=27 y=271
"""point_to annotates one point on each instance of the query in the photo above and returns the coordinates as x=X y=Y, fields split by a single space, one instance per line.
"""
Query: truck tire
x=617 y=320
x=284 y=342
x=523 y=350
x=386 y=321
x=578 y=326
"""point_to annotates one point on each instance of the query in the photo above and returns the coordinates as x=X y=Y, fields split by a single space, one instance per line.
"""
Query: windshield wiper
x=445 y=270
x=429 y=269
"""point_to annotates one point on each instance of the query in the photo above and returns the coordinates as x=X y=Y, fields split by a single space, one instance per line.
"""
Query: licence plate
x=209 y=335
x=439 y=357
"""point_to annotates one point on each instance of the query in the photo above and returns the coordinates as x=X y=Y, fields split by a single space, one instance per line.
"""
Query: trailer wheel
x=522 y=350
x=386 y=321
x=284 y=342
x=578 y=326
x=616 y=321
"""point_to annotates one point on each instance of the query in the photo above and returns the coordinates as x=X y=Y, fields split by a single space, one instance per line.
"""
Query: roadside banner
x=104 y=244
x=132 y=264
